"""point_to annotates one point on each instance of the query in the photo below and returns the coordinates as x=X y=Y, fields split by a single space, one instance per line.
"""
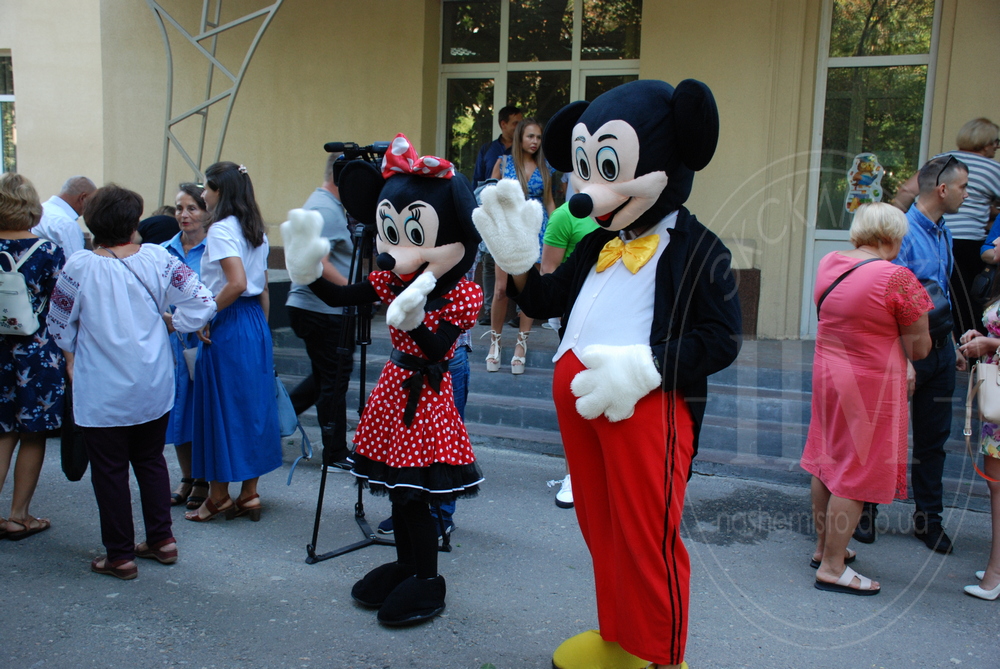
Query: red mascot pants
x=629 y=480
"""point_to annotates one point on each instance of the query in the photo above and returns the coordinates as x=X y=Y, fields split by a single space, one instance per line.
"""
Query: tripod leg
x=311 y=548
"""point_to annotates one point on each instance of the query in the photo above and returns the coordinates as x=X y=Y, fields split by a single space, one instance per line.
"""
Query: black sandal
x=194 y=501
x=176 y=498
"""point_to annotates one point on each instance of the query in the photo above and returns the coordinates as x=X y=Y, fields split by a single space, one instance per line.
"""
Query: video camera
x=371 y=154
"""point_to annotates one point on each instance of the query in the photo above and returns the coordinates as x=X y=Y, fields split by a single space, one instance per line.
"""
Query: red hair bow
x=401 y=158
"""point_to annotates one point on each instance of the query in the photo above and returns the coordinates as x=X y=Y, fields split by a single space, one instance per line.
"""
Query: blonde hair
x=876 y=223
x=20 y=208
x=976 y=134
x=518 y=155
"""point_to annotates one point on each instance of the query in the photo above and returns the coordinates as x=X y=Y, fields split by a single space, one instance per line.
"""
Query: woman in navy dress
x=32 y=368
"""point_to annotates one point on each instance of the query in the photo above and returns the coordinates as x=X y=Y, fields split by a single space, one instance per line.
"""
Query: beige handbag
x=987 y=387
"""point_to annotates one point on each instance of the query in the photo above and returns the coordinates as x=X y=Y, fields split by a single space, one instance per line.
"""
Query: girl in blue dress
x=235 y=434
x=188 y=245
x=526 y=164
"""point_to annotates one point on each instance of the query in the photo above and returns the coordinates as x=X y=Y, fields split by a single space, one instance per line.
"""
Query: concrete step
x=757 y=413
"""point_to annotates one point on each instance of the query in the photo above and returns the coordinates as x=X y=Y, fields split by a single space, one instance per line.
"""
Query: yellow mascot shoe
x=589 y=651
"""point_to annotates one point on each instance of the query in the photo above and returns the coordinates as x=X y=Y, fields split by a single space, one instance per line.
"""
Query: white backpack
x=17 y=317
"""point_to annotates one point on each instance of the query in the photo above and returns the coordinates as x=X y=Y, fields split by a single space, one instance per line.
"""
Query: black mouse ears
x=696 y=123
x=691 y=110
x=557 y=138
x=360 y=186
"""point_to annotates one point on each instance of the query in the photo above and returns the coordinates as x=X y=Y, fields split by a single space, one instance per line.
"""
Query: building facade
x=118 y=90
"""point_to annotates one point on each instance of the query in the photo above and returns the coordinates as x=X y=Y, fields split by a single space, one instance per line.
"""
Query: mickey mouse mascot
x=649 y=311
x=410 y=442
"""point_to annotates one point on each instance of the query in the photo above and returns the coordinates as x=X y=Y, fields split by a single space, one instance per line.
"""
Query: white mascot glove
x=509 y=224
x=407 y=310
x=304 y=247
x=616 y=378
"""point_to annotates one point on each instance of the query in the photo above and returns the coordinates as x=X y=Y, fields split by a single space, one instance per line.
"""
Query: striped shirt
x=970 y=222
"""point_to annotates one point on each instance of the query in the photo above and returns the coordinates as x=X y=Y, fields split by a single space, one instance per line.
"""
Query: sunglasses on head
x=937 y=181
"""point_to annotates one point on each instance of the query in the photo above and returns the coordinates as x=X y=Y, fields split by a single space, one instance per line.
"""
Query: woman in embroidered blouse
x=32 y=368
x=188 y=245
x=109 y=309
x=975 y=345
x=526 y=164
x=235 y=435
x=870 y=323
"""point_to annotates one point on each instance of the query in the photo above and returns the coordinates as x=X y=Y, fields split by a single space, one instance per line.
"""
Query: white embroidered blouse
x=123 y=373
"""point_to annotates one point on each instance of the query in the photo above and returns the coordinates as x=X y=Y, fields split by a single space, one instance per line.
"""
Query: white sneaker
x=564 y=498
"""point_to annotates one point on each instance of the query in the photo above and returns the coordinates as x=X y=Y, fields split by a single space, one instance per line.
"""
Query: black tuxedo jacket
x=697 y=327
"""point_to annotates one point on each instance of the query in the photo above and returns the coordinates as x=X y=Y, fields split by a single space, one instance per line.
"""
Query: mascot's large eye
x=582 y=164
x=414 y=231
x=607 y=163
x=389 y=230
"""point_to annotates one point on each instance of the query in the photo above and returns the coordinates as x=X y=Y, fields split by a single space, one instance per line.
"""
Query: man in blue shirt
x=926 y=251
x=489 y=154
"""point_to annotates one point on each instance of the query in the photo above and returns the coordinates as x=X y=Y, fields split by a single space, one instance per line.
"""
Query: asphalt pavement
x=519 y=583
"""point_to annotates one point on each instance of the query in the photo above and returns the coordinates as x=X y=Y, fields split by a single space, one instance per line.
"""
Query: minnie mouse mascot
x=649 y=311
x=410 y=442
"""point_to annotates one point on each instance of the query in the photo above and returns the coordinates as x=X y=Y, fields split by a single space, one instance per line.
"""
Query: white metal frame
x=823 y=63
x=579 y=69
x=208 y=29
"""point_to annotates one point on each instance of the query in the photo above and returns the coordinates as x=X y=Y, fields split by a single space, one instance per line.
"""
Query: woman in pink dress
x=870 y=322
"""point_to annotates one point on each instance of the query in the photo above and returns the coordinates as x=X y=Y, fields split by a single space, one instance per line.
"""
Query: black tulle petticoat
x=436 y=484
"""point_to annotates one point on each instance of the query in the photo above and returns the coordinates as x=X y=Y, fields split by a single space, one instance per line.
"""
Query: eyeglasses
x=937 y=181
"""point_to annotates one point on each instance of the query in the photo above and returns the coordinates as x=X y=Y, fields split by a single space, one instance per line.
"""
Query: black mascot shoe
x=865 y=531
x=413 y=601
x=379 y=582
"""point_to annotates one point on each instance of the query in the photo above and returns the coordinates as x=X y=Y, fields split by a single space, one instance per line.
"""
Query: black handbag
x=939 y=320
x=72 y=448
x=982 y=286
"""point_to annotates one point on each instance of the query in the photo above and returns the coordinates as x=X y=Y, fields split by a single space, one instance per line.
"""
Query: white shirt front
x=124 y=370
x=225 y=240
x=59 y=225
x=615 y=307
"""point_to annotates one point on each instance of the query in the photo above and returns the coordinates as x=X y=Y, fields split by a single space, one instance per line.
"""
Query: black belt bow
x=421 y=367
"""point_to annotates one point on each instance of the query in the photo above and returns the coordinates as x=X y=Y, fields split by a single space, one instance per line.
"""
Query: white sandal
x=517 y=362
x=493 y=357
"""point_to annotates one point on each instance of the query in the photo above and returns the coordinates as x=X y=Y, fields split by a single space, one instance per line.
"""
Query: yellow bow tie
x=635 y=254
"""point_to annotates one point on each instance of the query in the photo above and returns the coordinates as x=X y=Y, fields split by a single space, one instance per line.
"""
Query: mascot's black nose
x=580 y=205
x=385 y=261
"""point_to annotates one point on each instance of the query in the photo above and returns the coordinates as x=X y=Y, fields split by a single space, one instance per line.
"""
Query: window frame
x=824 y=62
x=7 y=98
x=579 y=69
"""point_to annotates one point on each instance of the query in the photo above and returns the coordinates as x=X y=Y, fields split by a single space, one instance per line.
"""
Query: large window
x=8 y=132
x=536 y=54
x=876 y=93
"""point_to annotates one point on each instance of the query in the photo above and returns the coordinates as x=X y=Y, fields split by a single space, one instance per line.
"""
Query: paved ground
x=519 y=583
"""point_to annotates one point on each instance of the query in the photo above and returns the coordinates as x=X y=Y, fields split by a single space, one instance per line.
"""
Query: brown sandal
x=240 y=508
x=156 y=552
x=212 y=509
x=115 y=568
x=17 y=535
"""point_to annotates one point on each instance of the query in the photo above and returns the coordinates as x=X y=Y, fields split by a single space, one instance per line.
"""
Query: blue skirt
x=235 y=435
x=181 y=425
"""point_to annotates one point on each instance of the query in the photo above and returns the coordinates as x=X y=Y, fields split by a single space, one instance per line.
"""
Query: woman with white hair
x=872 y=317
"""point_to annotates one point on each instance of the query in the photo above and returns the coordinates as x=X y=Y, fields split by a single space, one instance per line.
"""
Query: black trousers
x=931 y=413
x=326 y=386
x=966 y=311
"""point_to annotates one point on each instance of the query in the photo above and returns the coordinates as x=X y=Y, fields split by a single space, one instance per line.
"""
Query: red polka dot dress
x=431 y=458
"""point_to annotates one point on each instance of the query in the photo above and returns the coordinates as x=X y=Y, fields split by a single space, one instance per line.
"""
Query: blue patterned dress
x=32 y=368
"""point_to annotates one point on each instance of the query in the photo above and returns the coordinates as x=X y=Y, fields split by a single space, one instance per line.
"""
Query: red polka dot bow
x=401 y=158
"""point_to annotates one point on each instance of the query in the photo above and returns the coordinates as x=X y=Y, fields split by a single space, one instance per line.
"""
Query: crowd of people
x=897 y=318
x=185 y=291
